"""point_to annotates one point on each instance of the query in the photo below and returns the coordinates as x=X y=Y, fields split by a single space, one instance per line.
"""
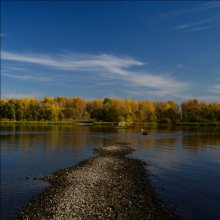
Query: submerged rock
x=108 y=186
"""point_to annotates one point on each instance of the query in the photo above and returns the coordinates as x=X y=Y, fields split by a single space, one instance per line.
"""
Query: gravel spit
x=107 y=186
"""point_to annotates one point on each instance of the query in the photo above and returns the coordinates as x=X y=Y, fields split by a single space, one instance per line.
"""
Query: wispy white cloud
x=200 y=25
x=74 y=61
x=201 y=17
x=199 y=8
x=188 y=25
x=28 y=77
x=155 y=94
x=206 y=97
x=16 y=68
x=179 y=66
x=165 y=86
x=106 y=66
x=209 y=98
x=204 y=27
x=21 y=95
x=215 y=89
x=211 y=4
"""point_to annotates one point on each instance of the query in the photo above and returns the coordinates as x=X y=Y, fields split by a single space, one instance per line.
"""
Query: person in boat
x=144 y=132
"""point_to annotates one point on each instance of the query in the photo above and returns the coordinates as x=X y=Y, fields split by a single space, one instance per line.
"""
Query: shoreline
x=107 y=186
x=108 y=124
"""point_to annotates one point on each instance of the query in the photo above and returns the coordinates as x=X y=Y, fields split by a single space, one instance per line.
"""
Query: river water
x=184 y=163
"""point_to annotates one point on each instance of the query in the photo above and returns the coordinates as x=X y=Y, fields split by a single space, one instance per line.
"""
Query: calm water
x=184 y=163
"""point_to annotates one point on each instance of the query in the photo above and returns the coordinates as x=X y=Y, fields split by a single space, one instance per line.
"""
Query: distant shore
x=107 y=186
x=102 y=123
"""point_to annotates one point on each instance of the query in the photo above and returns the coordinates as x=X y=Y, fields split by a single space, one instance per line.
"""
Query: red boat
x=144 y=132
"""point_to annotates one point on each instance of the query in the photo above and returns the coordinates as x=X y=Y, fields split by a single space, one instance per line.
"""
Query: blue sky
x=139 y=50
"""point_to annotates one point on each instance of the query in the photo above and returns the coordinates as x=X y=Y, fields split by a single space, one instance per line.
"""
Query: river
x=184 y=163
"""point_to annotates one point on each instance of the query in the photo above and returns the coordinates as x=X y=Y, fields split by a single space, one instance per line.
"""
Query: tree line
x=108 y=110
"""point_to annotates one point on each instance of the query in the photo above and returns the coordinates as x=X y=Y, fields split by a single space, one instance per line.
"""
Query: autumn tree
x=191 y=110
x=108 y=109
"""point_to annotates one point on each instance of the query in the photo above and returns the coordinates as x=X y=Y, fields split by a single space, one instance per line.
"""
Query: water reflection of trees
x=46 y=137
x=59 y=137
x=193 y=138
x=162 y=143
x=201 y=140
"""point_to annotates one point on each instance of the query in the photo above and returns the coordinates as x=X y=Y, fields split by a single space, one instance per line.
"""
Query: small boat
x=144 y=132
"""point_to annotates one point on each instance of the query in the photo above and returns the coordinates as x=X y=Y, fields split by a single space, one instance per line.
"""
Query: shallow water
x=184 y=162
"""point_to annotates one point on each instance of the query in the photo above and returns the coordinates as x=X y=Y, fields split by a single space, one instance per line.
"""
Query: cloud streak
x=192 y=10
x=117 y=68
x=28 y=77
x=198 y=23
x=196 y=26
x=201 y=17
x=204 y=24
x=74 y=61
x=22 y=95
x=215 y=89
x=205 y=27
